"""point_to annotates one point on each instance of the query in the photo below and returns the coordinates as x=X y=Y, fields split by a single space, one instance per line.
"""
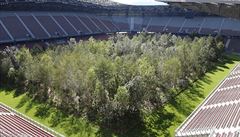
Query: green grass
x=189 y=100
x=24 y=105
x=162 y=123
x=29 y=109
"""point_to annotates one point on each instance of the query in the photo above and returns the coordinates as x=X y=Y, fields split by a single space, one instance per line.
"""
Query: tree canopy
x=105 y=80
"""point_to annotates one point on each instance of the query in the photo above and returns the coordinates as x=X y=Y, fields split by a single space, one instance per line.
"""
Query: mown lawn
x=29 y=109
x=163 y=123
x=186 y=102
x=24 y=105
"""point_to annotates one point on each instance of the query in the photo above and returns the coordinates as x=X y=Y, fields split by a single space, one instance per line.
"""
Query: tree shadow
x=205 y=79
x=228 y=59
x=24 y=100
x=154 y=124
x=182 y=103
x=9 y=89
x=129 y=125
x=132 y=125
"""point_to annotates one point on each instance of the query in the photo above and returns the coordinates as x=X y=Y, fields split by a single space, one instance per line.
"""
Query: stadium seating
x=233 y=46
x=229 y=134
x=3 y=109
x=66 y=25
x=231 y=27
x=122 y=23
x=100 y=25
x=4 y=36
x=219 y=114
x=15 y=27
x=192 y=25
x=53 y=28
x=90 y=23
x=158 y=24
x=34 y=27
x=13 y=125
x=146 y=22
x=109 y=24
x=225 y=95
x=29 y=26
x=211 y=25
x=175 y=25
x=78 y=24
x=137 y=23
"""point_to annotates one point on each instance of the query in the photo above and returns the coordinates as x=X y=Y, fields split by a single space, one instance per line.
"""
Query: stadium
x=103 y=68
x=77 y=21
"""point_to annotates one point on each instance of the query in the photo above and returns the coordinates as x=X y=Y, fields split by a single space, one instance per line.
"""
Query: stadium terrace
x=218 y=115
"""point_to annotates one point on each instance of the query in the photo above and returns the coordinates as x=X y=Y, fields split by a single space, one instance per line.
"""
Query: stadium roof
x=140 y=2
x=228 y=8
x=101 y=2
x=204 y=1
x=74 y=2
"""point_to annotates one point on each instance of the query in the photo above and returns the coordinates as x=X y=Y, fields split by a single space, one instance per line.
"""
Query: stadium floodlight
x=228 y=8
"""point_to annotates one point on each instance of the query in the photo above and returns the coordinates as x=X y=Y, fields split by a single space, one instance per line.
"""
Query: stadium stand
x=192 y=25
x=219 y=114
x=109 y=24
x=138 y=23
x=65 y=25
x=211 y=25
x=78 y=24
x=90 y=23
x=30 y=26
x=37 y=30
x=53 y=28
x=11 y=124
x=231 y=27
x=122 y=22
x=102 y=2
x=233 y=45
x=15 y=27
x=175 y=25
x=47 y=20
x=158 y=24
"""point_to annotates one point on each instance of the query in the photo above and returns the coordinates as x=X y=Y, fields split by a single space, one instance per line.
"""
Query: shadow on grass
x=126 y=126
x=158 y=122
x=134 y=125
x=9 y=89
x=155 y=124
x=187 y=101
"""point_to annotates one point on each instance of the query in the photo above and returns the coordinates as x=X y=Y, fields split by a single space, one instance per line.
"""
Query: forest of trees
x=107 y=80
